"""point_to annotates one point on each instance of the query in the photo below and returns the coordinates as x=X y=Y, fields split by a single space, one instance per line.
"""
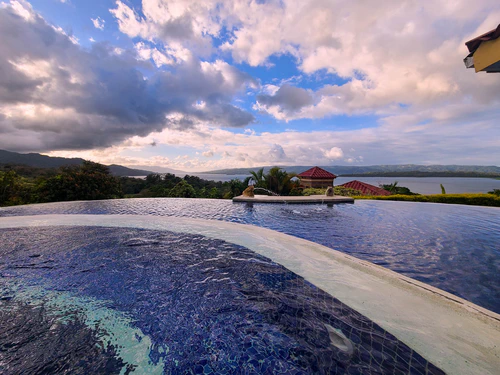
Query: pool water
x=126 y=300
x=454 y=248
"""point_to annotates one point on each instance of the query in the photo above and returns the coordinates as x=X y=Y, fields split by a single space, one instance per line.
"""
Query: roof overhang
x=484 y=53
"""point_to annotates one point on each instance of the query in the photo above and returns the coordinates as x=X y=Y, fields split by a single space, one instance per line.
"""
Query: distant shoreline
x=387 y=174
x=398 y=170
x=423 y=174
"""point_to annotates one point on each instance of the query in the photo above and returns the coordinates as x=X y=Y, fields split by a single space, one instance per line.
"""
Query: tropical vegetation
x=276 y=180
x=337 y=190
x=89 y=181
x=394 y=188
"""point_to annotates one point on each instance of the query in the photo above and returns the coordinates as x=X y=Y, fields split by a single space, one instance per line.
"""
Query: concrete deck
x=280 y=199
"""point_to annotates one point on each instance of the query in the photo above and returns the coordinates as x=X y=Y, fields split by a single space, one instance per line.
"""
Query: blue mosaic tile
x=207 y=307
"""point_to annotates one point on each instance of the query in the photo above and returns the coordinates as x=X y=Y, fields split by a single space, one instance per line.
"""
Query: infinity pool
x=112 y=287
x=455 y=248
x=117 y=300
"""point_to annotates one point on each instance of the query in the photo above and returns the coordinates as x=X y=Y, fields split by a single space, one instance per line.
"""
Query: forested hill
x=120 y=170
x=401 y=170
x=44 y=161
x=36 y=160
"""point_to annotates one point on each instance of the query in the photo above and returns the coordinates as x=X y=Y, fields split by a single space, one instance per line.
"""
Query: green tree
x=214 y=193
x=13 y=190
x=158 y=191
x=280 y=181
x=237 y=186
x=153 y=179
x=182 y=190
x=88 y=181
x=276 y=180
x=131 y=185
x=395 y=189
x=259 y=178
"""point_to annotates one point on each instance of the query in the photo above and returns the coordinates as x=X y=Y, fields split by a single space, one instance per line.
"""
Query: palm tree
x=259 y=178
x=279 y=181
x=393 y=188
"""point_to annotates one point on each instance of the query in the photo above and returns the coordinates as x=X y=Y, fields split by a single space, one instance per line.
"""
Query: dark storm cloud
x=98 y=97
x=289 y=98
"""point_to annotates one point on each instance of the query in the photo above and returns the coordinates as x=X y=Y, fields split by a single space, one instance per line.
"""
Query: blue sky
x=209 y=84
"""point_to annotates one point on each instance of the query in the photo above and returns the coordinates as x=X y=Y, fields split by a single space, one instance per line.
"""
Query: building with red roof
x=316 y=177
x=365 y=189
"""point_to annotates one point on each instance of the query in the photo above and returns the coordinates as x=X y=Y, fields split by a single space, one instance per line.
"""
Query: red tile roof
x=365 y=188
x=317 y=172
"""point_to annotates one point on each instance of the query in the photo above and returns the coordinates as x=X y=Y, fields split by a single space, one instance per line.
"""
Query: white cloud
x=443 y=142
x=146 y=53
x=58 y=95
x=188 y=23
x=401 y=60
x=98 y=23
x=334 y=153
x=23 y=9
x=61 y=31
x=391 y=52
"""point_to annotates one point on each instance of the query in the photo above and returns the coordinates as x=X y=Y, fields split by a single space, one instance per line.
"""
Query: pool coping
x=454 y=334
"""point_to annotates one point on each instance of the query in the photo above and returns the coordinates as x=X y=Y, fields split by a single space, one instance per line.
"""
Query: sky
x=198 y=85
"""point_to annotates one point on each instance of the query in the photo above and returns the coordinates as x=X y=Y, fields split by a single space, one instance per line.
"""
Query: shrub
x=313 y=191
x=338 y=190
x=296 y=191
x=346 y=192
x=397 y=190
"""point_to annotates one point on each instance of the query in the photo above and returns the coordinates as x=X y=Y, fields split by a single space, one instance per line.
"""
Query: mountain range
x=402 y=169
x=44 y=161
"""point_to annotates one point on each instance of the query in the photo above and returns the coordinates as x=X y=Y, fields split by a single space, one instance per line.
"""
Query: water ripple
x=452 y=247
